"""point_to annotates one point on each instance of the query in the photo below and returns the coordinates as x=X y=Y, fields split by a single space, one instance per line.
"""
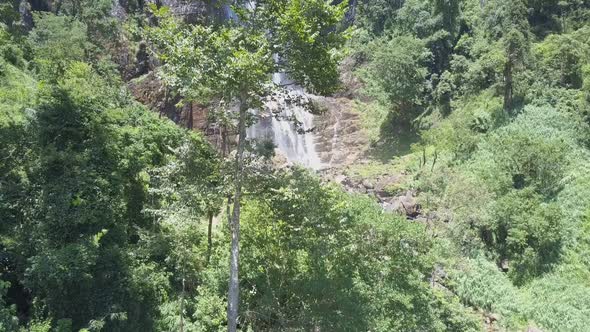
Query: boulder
x=406 y=204
x=368 y=185
x=504 y=265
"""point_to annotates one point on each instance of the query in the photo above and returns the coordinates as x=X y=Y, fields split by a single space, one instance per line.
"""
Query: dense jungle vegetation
x=115 y=218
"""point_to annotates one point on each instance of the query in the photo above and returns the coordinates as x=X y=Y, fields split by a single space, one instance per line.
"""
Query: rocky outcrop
x=340 y=140
x=41 y=5
x=150 y=91
x=405 y=204
x=26 y=16
x=381 y=186
x=191 y=11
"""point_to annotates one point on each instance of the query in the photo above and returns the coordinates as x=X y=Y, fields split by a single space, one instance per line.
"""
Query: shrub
x=532 y=151
x=396 y=75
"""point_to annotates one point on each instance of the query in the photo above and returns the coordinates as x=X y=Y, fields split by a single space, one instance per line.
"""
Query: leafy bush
x=8 y=319
x=527 y=231
x=462 y=131
x=531 y=152
x=57 y=41
x=314 y=257
x=560 y=58
x=559 y=301
x=396 y=73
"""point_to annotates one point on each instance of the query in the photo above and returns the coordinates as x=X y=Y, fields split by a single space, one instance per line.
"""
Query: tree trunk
x=223 y=140
x=182 y=305
x=190 y=117
x=508 y=86
x=233 y=300
x=209 y=235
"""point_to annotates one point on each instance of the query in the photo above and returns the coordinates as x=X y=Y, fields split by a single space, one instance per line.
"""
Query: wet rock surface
x=340 y=139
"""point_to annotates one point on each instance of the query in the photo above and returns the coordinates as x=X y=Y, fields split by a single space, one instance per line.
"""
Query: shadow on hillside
x=395 y=139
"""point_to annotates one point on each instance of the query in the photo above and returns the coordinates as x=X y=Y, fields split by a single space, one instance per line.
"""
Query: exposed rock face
x=340 y=140
x=504 y=265
x=142 y=61
x=316 y=132
x=150 y=91
x=190 y=11
x=286 y=120
x=24 y=9
x=120 y=9
x=329 y=138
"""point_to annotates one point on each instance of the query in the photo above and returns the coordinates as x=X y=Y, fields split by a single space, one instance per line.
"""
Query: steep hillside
x=290 y=165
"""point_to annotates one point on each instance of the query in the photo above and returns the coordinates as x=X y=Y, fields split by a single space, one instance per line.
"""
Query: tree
x=317 y=258
x=508 y=22
x=8 y=319
x=378 y=15
x=449 y=13
x=560 y=59
x=397 y=73
x=233 y=64
x=57 y=41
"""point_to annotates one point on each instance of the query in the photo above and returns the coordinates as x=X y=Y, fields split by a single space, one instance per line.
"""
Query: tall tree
x=507 y=21
x=450 y=13
x=233 y=64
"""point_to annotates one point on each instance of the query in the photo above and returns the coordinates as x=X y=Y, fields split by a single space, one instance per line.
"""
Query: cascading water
x=289 y=124
x=284 y=119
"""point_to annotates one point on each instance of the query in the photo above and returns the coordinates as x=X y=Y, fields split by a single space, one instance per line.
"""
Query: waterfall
x=285 y=118
x=288 y=123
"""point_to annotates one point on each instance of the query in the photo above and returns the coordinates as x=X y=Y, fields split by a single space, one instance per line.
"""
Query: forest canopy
x=133 y=197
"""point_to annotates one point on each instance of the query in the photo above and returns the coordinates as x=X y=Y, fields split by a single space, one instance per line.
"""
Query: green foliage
x=96 y=14
x=481 y=284
x=397 y=74
x=11 y=50
x=306 y=31
x=102 y=203
x=40 y=326
x=56 y=42
x=377 y=16
x=506 y=121
x=531 y=240
x=204 y=62
x=557 y=301
x=315 y=258
x=531 y=151
x=415 y=18
x=561 y=57
x=449 y=14
x=479 y=69
x=76 y=190
x=8 y=15
x=8 y=319
x=463 y=130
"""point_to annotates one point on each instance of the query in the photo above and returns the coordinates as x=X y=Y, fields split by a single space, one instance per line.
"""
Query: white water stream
x=286 y=121
x=284 y=118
